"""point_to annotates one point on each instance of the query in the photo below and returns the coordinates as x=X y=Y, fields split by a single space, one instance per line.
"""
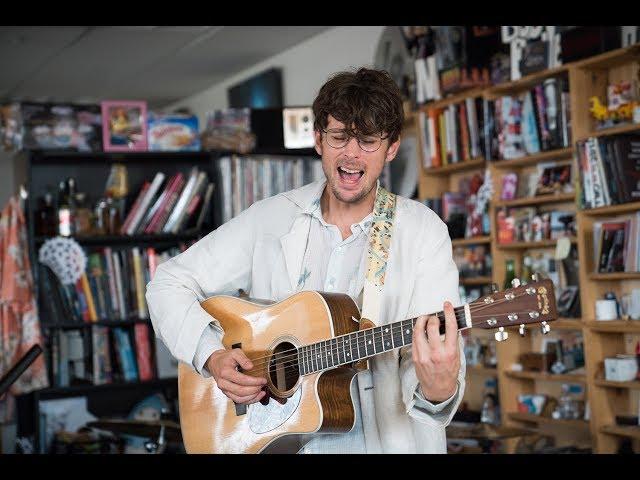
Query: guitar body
x=299 y=406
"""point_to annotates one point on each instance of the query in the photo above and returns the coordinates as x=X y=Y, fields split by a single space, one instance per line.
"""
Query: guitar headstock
x=534 y=302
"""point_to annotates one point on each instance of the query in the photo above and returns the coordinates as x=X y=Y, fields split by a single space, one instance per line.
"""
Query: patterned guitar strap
x=378 y=254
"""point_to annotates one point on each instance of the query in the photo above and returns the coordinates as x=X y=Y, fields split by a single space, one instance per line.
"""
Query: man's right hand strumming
x=239 y=387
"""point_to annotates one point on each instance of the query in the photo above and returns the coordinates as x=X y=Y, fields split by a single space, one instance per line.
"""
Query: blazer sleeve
x=436 y=281
x=219 y=263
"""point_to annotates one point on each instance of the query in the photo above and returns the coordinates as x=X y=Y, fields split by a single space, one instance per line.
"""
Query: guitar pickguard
x=264 y=418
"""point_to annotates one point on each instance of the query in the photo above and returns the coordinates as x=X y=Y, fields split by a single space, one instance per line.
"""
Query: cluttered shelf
x=610 y=59
x=454 y=98
x=531 y=245
x=557 y=154
x=456 y=167
x=552 y=198
x=532 y=418
x=531 y=375
x=128 y=239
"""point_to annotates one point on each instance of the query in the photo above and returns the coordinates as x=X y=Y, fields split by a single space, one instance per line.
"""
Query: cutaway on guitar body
x=298 y=404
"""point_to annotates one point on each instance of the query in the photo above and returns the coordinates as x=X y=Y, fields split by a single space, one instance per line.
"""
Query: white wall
x=305 y=68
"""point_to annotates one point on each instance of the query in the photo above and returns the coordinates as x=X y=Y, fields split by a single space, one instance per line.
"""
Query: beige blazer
x=261 y=251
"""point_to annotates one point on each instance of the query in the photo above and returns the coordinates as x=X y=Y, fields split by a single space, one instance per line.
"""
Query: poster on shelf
x=124 y=126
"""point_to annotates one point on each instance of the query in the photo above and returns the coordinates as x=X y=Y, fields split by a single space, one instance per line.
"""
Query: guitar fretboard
x=355 y=346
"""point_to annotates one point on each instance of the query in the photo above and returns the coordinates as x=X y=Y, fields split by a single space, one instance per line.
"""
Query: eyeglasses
x=338 y=138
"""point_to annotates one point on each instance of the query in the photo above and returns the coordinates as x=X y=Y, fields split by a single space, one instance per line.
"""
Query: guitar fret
x=315 y=357
x=407 y=331
x=387 y=339
x=377 y=339
x=396 y=334
x=301 y=369
x=353 y=340
x=334 y=352
x=340 y=349
x=362 y=345
x=368 y=340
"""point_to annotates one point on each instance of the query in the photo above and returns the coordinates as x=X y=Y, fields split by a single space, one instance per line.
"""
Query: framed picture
x=566 y=299
x=124 y=126
x=555 y=179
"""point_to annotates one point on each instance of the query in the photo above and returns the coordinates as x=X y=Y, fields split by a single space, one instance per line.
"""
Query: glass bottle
x=510 y=272
x=82 y=215
x=65 y=221
x=526 y=269
x=113 y=215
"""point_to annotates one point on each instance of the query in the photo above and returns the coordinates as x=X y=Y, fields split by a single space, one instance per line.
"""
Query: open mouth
x=348 y=175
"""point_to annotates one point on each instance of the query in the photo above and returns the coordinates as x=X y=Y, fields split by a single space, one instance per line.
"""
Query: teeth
x=350 y=171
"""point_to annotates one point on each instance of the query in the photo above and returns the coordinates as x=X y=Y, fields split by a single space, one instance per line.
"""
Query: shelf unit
x=587 y=77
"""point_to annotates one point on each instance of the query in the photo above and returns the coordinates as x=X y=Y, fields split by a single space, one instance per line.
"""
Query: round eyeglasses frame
x=348 y=139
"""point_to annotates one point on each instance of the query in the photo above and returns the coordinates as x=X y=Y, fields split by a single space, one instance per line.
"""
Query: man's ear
x=318 y=140
x=393 y=150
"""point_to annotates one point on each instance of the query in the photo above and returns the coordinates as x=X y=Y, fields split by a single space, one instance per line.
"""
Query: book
x=101 y=360
x=135 y=207
x=125 y=355
x=143 y=352
x=145 y=202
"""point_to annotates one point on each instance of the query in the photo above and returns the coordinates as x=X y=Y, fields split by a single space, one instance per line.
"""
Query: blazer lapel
x=293 y=247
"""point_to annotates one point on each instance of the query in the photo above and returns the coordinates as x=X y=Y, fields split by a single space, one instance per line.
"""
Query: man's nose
x=352 y=149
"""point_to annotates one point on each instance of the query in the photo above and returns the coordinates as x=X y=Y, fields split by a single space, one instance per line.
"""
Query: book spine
x=143 y=352
x=135 y=207
x=89 y=296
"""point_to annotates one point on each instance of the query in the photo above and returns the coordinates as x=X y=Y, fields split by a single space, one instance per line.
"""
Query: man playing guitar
x=317 y=238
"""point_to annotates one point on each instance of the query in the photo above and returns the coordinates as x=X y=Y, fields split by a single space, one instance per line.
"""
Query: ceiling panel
x=159 y=64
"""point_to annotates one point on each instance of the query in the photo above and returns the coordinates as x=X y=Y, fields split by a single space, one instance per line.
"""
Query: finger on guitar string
x=239 y=390
x=247 y=399
x=451 y=327
x=433 y=331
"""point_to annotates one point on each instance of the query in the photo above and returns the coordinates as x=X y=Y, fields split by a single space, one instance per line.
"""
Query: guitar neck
x=366 y=343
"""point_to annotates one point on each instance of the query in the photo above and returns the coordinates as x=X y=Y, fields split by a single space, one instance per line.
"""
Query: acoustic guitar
x=309 y=347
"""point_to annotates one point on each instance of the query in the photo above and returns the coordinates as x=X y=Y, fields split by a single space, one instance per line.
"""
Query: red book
x=136 y=205
x=156 y=224
x=153 y=261
x=143 y=352
x=160 y=203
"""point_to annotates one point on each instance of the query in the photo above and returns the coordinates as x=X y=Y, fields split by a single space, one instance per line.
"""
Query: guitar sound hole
x=283 y=367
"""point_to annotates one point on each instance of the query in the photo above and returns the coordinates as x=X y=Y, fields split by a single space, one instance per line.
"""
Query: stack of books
x=179 y=204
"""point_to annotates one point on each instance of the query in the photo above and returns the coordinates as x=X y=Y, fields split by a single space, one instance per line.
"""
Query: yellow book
x=89 y=296
x=137 y=272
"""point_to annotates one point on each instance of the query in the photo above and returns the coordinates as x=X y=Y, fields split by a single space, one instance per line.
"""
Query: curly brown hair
x=367 y=102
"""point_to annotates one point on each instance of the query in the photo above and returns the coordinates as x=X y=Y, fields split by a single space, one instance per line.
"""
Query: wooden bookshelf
x=531 y=245
x=629 y=128
x=622 y=431
x=558 y=154
x=613 y=326
x=470 y=241
x=549 y=377
x=566 y=324
x=472 y=164
x=525 y=82
x=612 y=209
x=481 y=370
x=538 y=419
x=587 y=77
x=455 y=98
x=611 y=384
x=615 y=276
x=476 y=281
x=539 y=200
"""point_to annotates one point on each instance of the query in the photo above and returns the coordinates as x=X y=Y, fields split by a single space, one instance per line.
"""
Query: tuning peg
x=515 y=283
x=494 y=287
x=545 y=328
x=501 y=335
x=522 y=331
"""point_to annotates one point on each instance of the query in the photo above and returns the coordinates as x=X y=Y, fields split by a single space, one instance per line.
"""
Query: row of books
x=102 y=355
x=534 y=121
x=246 y=180
x=452 y=134
x=180 y=203
x=609 y=170
x=617 y=244
x=112 y=287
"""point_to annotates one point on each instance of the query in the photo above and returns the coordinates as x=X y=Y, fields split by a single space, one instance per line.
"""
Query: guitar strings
x=294 y=357
x=457 y=311
x=294 y=362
